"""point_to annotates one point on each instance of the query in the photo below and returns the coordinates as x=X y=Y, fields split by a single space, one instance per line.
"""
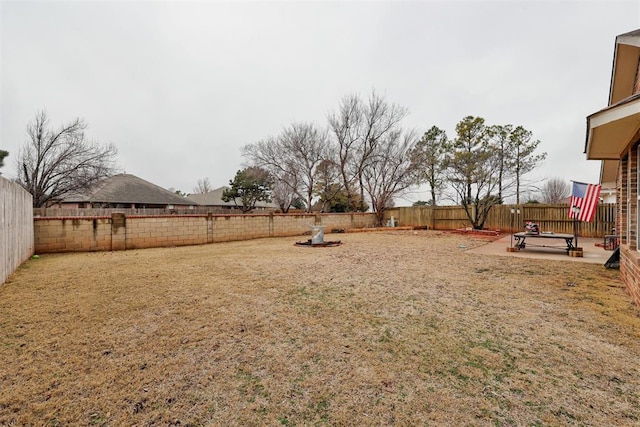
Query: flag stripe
x=584 y=196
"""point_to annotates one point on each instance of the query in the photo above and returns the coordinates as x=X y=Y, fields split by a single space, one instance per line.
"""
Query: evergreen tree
x=250 y=185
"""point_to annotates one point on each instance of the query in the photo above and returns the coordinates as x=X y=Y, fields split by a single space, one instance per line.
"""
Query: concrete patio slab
x=591 y=253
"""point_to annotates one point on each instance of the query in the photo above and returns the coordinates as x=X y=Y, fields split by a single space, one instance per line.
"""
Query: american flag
x=585 y=197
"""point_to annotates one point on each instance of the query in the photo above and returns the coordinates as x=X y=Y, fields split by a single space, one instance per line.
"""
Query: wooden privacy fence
x=549 y=218
x=437 y=218
x=16 y=227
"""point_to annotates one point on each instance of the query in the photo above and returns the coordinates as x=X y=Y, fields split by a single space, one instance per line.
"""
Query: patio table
x=522 y=237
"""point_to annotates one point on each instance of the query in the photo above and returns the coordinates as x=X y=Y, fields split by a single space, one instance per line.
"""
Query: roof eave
x=611 y=130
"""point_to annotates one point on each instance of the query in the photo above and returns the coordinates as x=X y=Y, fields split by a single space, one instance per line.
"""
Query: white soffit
x=611 y=130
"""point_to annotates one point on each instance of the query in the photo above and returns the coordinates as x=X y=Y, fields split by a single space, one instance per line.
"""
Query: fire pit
x=317 y=239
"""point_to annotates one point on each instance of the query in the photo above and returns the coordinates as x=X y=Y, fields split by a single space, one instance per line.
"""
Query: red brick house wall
x=627 y=222
x=613 y=137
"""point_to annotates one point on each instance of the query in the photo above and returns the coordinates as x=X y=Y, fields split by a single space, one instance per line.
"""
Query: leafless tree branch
x=54 y=164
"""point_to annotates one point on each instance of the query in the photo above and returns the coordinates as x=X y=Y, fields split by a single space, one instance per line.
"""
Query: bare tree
x=53 y=164
x=203 y=186
x=390 y=171
x=358 y=127
x=292 y=158
x=345 y=125
x=306 y=147
x=363 y=133
x=554 y=190
x=328 y=184
x=268 y=154
x=282 y=192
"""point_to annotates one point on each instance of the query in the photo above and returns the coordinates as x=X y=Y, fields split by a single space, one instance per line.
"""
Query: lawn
x=391 y=328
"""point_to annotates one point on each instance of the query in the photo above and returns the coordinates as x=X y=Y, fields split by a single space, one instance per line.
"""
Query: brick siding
x=627 y=203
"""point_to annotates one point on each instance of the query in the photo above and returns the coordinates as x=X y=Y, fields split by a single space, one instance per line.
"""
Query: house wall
x=630 y=271
x=621 y=201
x=121 y=232
x=628 y=222
x=16 y=227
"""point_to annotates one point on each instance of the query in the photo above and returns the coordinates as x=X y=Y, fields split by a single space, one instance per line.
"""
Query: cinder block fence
x=124 y=232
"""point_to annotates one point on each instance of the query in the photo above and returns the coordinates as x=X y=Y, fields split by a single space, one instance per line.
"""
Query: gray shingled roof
x=214 y=198
x=127 y=188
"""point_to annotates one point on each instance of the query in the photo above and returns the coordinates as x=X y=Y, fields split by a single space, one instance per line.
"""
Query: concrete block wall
x=294 y=224
x=120 y=232
x=72 y=234
x=345 y=221
x=160 y=231
x=226 y=228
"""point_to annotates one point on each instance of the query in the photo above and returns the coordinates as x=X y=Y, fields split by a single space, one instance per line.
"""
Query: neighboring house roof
x=214 y=198
x=127 y=188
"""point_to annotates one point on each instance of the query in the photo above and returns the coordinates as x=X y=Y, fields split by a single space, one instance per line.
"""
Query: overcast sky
x=179 y=87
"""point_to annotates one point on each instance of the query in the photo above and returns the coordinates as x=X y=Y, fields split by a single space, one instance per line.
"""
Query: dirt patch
x=390 y=328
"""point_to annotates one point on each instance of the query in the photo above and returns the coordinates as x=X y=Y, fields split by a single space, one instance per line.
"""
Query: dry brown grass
x=391 y=328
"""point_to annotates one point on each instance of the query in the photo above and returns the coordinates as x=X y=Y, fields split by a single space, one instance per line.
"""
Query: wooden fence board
x=548 y=217
x=16 y=227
